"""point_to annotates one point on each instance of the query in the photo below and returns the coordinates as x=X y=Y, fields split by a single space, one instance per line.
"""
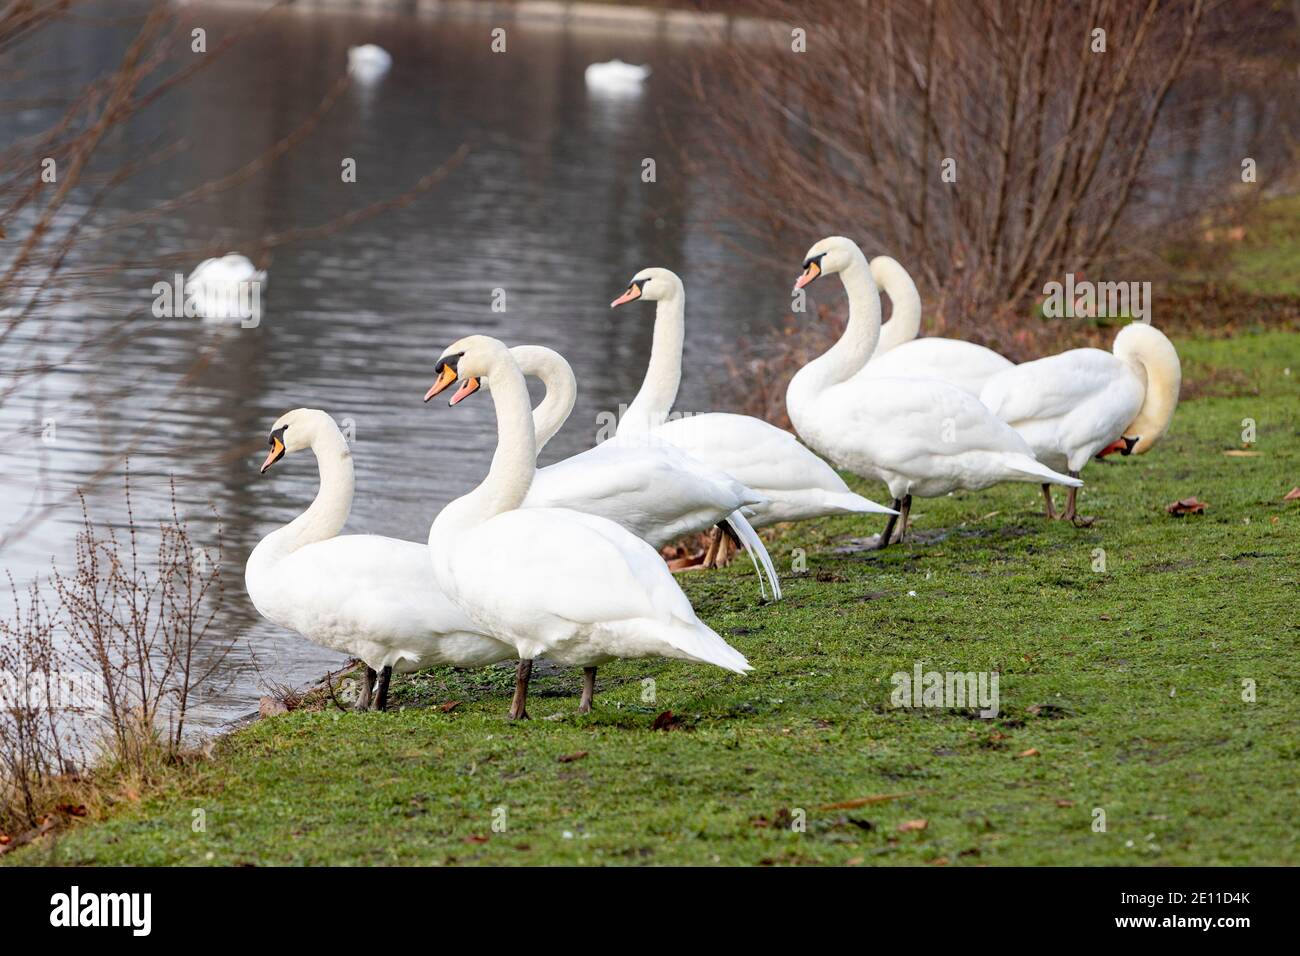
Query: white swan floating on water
x=368 y=62
x=616 y=77
x=226 y=287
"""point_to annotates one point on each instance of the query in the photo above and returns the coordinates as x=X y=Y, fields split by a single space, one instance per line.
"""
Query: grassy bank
x=1121 y=691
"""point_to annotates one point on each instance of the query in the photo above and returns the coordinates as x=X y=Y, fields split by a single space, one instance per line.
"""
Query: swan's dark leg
x=1050 y=510
x=381 y=695
x=518 y=709
x=1071 y=513
x=588 y=689
x=902 y=519
x=367 y=682
x=889 y=526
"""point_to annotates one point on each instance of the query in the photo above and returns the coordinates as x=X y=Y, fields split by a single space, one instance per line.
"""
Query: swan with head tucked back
x=796 y=483
x=226 y=287
x=362 y=594
x=900 y=354
x=1085 y=402
x=919 y=436
x=573 y=587
x=368 y=62
x=651 y=488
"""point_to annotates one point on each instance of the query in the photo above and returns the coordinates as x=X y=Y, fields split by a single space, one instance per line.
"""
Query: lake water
x=550 y=206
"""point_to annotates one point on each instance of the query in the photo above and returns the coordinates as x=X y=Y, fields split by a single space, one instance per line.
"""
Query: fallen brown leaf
x=1031 y=752
x=939 y=861
x=449 y=706
x=1064 y=803
x=73 y=811
x=1292 y=495
x=907 y=826
x=866 y=801
x=1186 y=506
x=475 y=838
x=666 y=721
x=569 y=758
x=1239 y=453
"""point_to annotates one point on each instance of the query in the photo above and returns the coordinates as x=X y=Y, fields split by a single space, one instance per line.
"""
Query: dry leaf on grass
x=1292 y=495
x=1031 y=752
x=907 y=826
x=1186 y=506
x=475 y=838
x=1239 y=453
x=569 y=758
x=449 y=706
x=667 y=721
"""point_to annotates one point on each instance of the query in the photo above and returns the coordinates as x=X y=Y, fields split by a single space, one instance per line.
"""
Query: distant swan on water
x=616 y=77
x=368 y=62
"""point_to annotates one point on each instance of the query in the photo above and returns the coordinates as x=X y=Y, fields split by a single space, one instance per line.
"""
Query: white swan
x=652 y=489
x=900 y=354
x=574 y=587
x=365 y=595
x=1084 y=402
x=919 y=436
x=616 y=77
x=226 y=287
x=368 y=62
x=796 y=483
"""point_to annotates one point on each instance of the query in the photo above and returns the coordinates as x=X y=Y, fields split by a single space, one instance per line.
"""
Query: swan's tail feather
x=1040 y=472
x=853 y=503
x=698 y=642
x=753 y=544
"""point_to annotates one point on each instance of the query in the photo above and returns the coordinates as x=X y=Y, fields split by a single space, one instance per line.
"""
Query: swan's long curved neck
x=513 y=463
x=847 y=356
x=663 y=375
x=905 y=320
x=329 y=510
x=561 y=389
x=1153 y=359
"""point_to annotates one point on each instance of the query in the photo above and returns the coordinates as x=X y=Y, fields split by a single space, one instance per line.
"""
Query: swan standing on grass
x=652 y=489
x=575 y=588
x=919 y=436
x=226 y=287
x=1085 y=402
x=796 y=483
x=368 y=62
x=616 y=77
x=368 y=596
x=900 y=354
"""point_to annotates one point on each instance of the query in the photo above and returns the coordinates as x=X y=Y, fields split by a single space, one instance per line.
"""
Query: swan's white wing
x=1050 y=387
x=796 y=482
x=649 y=487
x=375 y=597
x=964 y=364
x=1067 y=406
x=576 y=587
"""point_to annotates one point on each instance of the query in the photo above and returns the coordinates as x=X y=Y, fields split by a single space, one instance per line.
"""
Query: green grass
x=1268 y=258
x=1128 y=683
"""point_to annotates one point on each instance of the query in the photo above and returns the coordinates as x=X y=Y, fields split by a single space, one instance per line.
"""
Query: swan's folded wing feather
x=1051 y=387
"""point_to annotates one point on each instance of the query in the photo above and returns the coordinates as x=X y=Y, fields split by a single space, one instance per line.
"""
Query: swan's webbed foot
x=518 y=709
x=588 y=689
x=367 y=684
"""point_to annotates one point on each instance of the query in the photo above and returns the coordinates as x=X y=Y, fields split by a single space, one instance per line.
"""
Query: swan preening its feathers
x=921 y=437
x=563 y=562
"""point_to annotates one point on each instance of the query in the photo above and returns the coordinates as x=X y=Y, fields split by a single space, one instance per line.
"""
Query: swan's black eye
x=640 y=283
x=811 y=259
x=450 y=362
x=276 y=435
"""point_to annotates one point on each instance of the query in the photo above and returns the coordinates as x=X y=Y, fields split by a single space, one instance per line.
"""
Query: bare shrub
x=103 y=676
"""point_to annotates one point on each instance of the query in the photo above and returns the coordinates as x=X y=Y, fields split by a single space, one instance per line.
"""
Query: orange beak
x=445 y=378
x=277 y=450
x=633 y=292
x=467 y=388
x=812 y=271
